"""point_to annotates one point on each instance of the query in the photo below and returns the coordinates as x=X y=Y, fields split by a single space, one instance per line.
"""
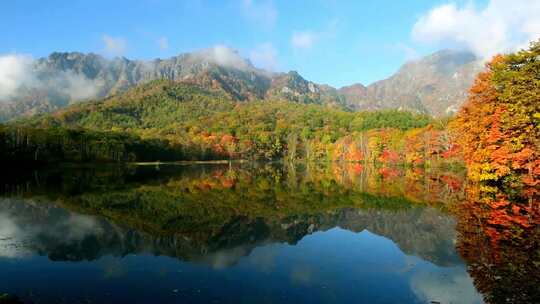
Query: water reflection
x=241 y=233
x=499 y=238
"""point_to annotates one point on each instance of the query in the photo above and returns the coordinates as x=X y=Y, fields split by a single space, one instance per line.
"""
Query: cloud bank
x=15 y=71
x=501 y=26
x=21 y=74
x=224 y=56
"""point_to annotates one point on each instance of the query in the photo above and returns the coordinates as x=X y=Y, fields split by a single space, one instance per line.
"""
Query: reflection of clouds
x=25 y=229
x=409 y=263
x=453 y=285
x=263 y=258
x=224 y=258
x=80 y=226
x=302 y=275
x=10 y=236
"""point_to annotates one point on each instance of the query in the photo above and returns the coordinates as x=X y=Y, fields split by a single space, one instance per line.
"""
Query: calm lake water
x=241 y=233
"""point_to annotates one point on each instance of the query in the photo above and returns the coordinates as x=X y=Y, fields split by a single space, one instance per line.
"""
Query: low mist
x=21 y=74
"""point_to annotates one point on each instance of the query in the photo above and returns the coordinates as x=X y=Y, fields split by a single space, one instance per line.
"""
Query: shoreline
x=188 y=162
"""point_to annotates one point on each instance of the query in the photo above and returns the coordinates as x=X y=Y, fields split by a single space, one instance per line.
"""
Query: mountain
x=436 y=84
x=64 y=78
x=292 y=87
x=354 y=95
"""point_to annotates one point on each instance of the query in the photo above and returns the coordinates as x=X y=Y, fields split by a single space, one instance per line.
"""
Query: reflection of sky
x=340 y=264
x=450 y=285
x=332 y=266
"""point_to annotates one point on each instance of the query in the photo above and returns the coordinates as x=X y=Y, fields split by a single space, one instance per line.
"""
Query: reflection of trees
x=416 y=184
x=63 y=235
x=499 y=238
x=218 y=214
x=198 y=213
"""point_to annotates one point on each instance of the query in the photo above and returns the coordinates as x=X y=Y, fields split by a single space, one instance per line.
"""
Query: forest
x=167 y=121
x=496 y=134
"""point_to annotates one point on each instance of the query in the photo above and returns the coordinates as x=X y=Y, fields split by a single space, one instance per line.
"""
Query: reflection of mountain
x=28 y=227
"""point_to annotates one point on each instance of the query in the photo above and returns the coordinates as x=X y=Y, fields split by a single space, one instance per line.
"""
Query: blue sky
x=327 y=41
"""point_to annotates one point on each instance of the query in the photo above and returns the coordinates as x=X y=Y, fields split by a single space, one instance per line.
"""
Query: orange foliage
x=389 y=157
x=497 y=127
x=499 y=238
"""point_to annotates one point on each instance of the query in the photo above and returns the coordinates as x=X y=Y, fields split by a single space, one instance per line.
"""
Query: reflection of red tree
x=228 y=182
x=389 y=173
x=389 y=157
x=453 y=182
x=356 y=169
x=499 y=238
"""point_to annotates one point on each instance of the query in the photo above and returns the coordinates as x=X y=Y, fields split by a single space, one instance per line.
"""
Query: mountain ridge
x=436 y=84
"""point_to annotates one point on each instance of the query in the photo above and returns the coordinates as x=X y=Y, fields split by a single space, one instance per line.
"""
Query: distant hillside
x=436 y=84
x=188 y=121
x=166 y=107
x=64 y=78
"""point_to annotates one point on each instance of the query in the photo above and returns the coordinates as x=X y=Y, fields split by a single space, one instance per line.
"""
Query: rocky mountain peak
x=436 y=84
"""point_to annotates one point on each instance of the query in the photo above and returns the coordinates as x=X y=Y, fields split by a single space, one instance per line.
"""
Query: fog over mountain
x=436 y=84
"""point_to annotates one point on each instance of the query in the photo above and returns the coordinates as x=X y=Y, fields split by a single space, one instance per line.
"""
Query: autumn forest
x=489 y=152
x=495 y=134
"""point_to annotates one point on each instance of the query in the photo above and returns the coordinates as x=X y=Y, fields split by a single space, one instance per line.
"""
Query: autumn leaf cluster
x=498 y=127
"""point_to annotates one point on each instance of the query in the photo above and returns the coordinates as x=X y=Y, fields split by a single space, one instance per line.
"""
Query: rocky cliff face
x=291 y=86
x=436 y=84
x=63 y=78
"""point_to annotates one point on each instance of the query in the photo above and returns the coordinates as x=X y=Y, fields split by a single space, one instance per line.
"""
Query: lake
x=253 y=233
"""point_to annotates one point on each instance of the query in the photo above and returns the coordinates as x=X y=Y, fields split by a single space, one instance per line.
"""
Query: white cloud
x=227 y=57
x=262 y=12
x=76 y=86
x=163 y=43
x=264 y=56
x=19 y=72
x=222 y=55
x=501 y=26
x=114 y=46
x=15 y=71
x=303 y=40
